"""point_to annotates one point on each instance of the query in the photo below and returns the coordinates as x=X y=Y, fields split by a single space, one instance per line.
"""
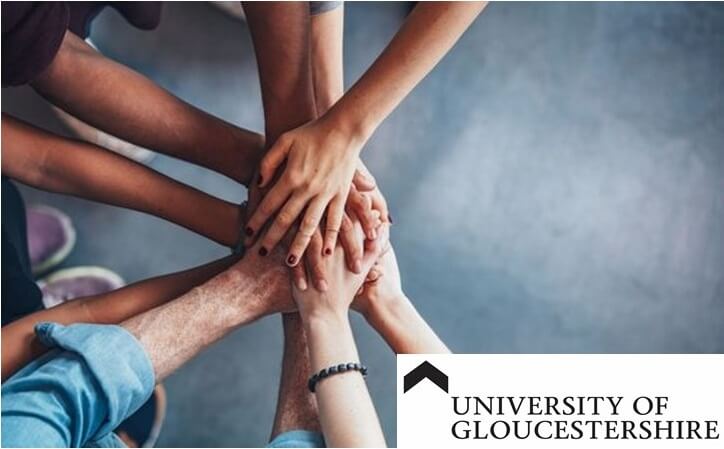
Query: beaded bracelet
x=335 y=369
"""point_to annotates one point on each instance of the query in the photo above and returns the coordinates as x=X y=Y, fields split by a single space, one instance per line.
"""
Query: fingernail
x=263 y=252
x=323 y=287
x=301 y=284
x=357 y=266
x=248 y=231
x=389 y=217
x=328 y=251
x=291 y=259
x=260 y=181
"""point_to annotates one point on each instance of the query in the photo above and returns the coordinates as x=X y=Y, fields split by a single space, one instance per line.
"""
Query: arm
x=321 y=156
x=19 y=345
x=388 y=310
x=56 y=164
x=346 y=411
x=328 y=73
x=124 y=103
x=114 y=368
x=327 y=38
x=281 y=36
x=280 y=33
x=427 y=35
x=253 y=287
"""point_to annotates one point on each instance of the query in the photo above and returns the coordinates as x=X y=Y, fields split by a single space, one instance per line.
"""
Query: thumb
x=363 y=182
x=272 y=160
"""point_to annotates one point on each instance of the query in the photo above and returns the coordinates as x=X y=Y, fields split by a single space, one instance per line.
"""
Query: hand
x=321 y=159
x=313 y=267
x=382 y=286
x=343 y=284
x=364 y=184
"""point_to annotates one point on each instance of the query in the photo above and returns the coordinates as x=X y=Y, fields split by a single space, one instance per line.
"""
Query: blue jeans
x=76 y=394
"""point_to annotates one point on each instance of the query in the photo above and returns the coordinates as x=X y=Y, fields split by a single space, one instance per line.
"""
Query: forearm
x=20 y=346
x=346 y=411
x=56 y=164
x=403 y=328
x=124 y=103
x=281 y=36
x=327 y=37
x=426 y=36
x=206 y=313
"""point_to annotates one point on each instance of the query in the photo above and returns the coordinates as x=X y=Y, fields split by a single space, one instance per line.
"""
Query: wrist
x=257 y=289
x=386 y=310
x=356 y=128
x=314 y=317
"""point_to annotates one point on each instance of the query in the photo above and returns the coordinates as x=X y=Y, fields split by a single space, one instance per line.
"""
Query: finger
x=272 y=160
x=380 y=204
x=315 y=261
x=273 y=200
x=364 y=182
x=309 y=225
x=284 y=220
x=300 y=277
x=351 y=244
x=335 y=212
x=367 y=219
x=361 y=206
x=374 y=274
x=375 y=248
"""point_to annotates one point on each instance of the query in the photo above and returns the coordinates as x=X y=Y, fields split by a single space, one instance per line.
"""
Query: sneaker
x=143 y=427
x=95 y=136
x=71 y=283
x=51 y=237
x=232 y=9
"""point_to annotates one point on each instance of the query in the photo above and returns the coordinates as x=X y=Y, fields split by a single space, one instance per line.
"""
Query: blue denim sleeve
x=79 y=392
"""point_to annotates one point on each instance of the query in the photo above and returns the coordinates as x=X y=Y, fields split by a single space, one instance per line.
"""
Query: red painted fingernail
x=263 y=251
x=328 y=251
x=249 y=232
x=291 y=259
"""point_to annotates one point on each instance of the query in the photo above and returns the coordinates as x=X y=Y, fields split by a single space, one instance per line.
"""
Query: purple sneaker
x=51 y=237
x=71 y=283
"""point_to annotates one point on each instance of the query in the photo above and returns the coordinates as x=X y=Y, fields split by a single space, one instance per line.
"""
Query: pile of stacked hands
x=310 y=242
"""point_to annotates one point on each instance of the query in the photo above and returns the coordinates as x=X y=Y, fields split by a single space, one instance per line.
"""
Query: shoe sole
x=111 y=277
x=160 y=417
x=61 y=254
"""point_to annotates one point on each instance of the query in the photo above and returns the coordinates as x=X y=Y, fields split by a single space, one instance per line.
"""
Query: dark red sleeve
x=31 y=36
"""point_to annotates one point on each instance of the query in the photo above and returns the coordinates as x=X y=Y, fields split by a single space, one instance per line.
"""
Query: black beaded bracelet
x=335 y=369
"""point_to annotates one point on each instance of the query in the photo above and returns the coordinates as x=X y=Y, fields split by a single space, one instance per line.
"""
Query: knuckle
x=284 y=139
x=295 y=178
x=285 y=218
x=309 y=223
x=346 y=225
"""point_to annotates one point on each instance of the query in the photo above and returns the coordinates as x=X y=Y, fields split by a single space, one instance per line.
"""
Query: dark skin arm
x=49 y=162
x=124 y=103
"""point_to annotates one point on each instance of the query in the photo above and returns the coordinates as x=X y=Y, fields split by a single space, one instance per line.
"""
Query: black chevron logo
x=425 y=370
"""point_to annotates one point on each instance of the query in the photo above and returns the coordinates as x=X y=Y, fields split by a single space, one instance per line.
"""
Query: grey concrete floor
x=557 y=185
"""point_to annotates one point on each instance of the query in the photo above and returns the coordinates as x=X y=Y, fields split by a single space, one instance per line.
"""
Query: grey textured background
x=557 y=185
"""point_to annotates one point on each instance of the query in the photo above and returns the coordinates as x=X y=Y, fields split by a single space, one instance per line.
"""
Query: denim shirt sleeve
x=79 y=392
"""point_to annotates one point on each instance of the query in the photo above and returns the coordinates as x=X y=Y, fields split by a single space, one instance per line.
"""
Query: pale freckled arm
x=175 y=332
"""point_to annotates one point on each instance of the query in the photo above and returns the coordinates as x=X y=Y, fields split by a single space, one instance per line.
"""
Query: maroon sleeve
x=143 y=15
x=31 y=36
